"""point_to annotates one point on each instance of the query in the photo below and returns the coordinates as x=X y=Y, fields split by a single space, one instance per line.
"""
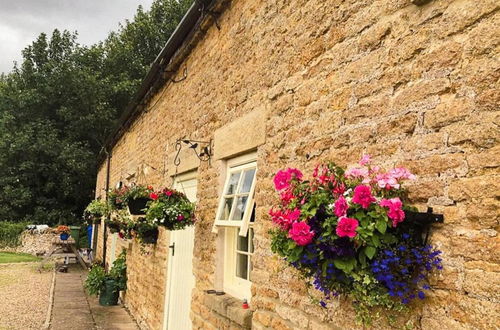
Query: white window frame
x=232 y=284
x=236 y=286
x=239 y=164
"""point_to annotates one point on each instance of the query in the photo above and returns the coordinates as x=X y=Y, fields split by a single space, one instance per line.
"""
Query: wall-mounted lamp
x=202 y=149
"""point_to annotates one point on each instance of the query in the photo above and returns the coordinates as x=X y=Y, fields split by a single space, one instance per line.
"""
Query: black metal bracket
x=184 y=75
x=211 y=13
x=422 y=221
x=204 y=153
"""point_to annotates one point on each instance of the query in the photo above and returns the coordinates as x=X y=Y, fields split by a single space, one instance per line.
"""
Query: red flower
x=363 y=196
x=395 y=213
x=150 y=188
x=154 y=196
x=347 y=227
x=168 y=193
x=301 y=233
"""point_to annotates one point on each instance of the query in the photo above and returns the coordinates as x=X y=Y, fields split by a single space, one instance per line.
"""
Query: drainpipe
x=105 y=232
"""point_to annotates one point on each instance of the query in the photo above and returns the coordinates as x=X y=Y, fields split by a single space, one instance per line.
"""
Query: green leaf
x=375 y=240
x=340 y=264
x=362 y=259
x=370 y=251
x=381 y=226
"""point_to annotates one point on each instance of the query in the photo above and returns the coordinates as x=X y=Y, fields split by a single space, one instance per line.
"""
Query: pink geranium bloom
x=154 y=196
x=301 y=233
x=347 y=227
x=387 y=181
x=286 y=218
x=401 y=173
x=356 y=172
x=366 y=159
x=286 y=196
x=180 y=217
x=341 y=207
x=283 y=177
x=339 y=189
x=395 y=213
x=363 y=196
x=168 y=193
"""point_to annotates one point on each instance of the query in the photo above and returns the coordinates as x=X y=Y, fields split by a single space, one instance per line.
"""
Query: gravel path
x=24 y=296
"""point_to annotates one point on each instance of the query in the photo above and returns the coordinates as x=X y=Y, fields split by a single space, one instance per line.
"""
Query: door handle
x=173 y=248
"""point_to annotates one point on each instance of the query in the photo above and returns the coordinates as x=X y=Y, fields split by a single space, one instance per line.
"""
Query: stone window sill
x=230 y=308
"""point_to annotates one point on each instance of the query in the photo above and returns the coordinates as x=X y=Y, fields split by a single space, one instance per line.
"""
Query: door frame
x=192 y=175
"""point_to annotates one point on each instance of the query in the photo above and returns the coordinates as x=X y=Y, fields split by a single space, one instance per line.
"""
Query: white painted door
x=180 y=278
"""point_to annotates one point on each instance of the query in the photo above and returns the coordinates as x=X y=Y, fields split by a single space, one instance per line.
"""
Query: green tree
x=59 y=105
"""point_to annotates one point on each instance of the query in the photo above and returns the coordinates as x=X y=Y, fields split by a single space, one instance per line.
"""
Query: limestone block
x=188 y=161
x=243 y=134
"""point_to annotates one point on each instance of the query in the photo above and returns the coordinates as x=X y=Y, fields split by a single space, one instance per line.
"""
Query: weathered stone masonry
x=411 y=85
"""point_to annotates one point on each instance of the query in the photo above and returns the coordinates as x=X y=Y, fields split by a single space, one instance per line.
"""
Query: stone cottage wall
x=411 y=85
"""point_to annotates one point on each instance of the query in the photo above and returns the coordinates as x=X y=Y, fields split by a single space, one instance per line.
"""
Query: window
x=236 y=214
x=236 y=204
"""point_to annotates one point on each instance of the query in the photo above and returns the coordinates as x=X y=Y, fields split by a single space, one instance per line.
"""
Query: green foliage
x=95 y=280
x=137 y=191
x=59 y=105
x=97 y=208
x=97 y=275
x=10 y=233
x=171 y=209
x=119 y=271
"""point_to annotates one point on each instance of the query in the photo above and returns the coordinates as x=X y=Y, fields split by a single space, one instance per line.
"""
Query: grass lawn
x=9 y=257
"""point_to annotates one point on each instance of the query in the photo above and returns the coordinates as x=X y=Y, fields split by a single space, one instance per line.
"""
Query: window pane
x=242 y=266
x=233 y=183
x=250 y=235
x=247 y=181
x=252 y=216
x=241 y=203
x=228 y=203
x=242 y=244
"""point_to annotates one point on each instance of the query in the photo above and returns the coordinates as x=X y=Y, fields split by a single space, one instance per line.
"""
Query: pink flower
x=286 y=196
x=356 y=172
x=347 y=227
x=180 y=217
x=366 y=159
x=282 y=178
x=341 y=207
x=363 y=196
x=286 y=218
x=168 y=193
x=339 y=189
x=154 y=196
x=387 y=181
x=401 y=173
x=395 y=213
x=301 y=233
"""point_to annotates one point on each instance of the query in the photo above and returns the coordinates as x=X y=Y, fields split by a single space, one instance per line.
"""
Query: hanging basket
x=150 y=236
x=137 y=206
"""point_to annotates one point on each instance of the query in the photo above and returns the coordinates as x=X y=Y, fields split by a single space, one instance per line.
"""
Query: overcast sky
x=21 y=21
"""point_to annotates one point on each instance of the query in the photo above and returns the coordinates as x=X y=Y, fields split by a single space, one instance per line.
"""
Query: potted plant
x=64 y=232
x=146 y=231
x=108 y=286
x=345 y=232
x=171 y=209
x=117 y=198
x=117 y=221
x=96 y=210
x=137 y=197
